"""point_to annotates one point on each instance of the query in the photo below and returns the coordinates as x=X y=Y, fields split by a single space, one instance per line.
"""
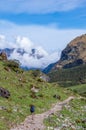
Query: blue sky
x=66 y=13
x=50 y=24
x=73 y=18
x=39 y=15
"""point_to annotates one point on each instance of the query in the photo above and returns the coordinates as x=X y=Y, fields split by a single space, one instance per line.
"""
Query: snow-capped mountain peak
x=29 y=55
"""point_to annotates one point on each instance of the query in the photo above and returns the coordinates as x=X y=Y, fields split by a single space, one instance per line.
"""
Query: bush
x=36 y=73
x=13 y=64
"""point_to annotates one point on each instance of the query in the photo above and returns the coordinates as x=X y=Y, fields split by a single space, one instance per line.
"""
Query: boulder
x=4 y=93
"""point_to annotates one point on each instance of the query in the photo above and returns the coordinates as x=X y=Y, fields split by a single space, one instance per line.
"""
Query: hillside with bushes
x=25 y=88
x=19 y=89
x=70 y=77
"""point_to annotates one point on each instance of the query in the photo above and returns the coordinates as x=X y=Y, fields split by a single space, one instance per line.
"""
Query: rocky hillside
x=74 y=54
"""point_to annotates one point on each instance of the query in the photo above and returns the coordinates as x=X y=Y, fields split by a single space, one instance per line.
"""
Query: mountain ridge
x=74 y=54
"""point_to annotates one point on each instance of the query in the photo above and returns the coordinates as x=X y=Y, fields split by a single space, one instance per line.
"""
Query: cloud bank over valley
x=27 y=53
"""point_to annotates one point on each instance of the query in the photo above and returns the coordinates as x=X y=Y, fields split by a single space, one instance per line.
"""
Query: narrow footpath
x=37 y=123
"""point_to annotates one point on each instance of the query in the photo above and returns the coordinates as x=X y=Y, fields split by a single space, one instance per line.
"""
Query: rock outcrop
x=3 y=56
x=4 y=93
x=74 y=54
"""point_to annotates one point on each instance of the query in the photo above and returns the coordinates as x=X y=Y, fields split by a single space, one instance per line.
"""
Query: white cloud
x=49 y=38
x=39 y=6
x=31 y=62
x=45 y=39
x=23 y=43
x=39 y=58
x=4 y=42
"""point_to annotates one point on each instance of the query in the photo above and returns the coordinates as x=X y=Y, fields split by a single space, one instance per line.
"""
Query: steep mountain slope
x=74 y=54
x=48 y=68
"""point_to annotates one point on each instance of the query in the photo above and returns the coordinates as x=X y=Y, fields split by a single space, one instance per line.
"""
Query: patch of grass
x=72 y=116
x=80 y=89
x=69 y=77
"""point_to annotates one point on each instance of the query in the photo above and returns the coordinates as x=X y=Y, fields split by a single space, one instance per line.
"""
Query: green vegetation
x=12 y=64
x=72 y=116
x=80 y=89
x=69 y=77
x=19 y=84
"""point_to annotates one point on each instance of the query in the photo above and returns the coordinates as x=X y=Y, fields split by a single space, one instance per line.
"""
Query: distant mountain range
x=73 y=55
x=20 y=51
x=7 y=51
x=14 y=52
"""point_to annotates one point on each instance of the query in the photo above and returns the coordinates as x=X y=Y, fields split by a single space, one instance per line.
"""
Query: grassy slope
x=75 y=78
x=72 y=116
x=69 y=77
x=17 y=106
x=80 y=89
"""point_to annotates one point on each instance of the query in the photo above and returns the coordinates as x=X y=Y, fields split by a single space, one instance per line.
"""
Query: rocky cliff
x=74 y=54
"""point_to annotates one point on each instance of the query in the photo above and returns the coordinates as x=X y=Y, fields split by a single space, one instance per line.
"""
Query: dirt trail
x=37 y=123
